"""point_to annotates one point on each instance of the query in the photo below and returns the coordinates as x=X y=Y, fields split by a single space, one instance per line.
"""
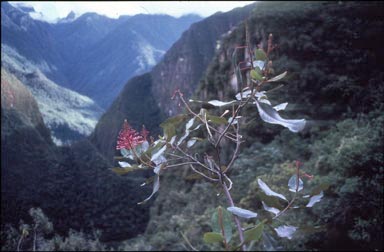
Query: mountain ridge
x=71 y=50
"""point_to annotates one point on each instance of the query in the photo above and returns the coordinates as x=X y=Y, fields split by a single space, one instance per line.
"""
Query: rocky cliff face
x=185 y=63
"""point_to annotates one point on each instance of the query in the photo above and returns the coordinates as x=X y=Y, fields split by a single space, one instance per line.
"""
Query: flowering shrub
x=219 y=130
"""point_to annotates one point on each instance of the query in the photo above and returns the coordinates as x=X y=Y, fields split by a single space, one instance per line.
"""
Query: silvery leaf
x=269 y=115
x=242 y=212
x=235 y=121
x=191 y=142
x=156 y=186
x=189 y=123
x=264 y=100
x=172 y=140
x=124 y=164
x=268 y=190
x=271 y=209
x=158 y=153
x=281 y=106
x=259 y=63
x=218 y=103
x=183 y=137
x=245 y=94
x=292 y=184
x=278 y=77
x=315 y=199
x=286 y=231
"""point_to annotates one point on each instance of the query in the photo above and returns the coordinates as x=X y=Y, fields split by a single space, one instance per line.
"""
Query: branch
x=237 y=149
x=237 y=221
x=202 y=174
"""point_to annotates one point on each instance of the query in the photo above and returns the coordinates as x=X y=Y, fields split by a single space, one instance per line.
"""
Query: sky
x=52 y=10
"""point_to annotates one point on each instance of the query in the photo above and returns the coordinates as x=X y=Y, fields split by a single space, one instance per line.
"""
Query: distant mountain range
x=86 y=59
x=92 y=54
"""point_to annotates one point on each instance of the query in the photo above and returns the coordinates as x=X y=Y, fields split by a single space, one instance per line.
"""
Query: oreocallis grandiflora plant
x=216 y=128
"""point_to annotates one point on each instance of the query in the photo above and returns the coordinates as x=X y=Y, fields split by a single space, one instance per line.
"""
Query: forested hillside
x=333 y=54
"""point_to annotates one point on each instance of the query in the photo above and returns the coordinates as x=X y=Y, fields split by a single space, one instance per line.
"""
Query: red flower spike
x=128 y=138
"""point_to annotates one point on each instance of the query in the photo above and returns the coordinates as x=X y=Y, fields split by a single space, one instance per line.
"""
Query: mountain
x=181 y=67
x=69 y=115
x=92 y=54
x=72 y=184
x=27 y=150
x=334 y=59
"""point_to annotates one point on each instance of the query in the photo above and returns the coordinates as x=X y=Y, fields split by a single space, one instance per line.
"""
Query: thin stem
x=237 y=149
x=19 y=243
x=294 y=197
x=180 y=164
x=285 y=209
x=202 y=174
x=222 y=229
x=237 y=221
x=192 y=158
x=186 y=239
x=34 y=239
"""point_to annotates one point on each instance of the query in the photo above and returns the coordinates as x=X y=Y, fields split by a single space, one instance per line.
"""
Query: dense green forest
x=334 y=56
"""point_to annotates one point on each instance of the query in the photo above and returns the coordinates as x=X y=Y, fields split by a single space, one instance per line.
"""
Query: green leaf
x=278 y=77
x=212 y=237
x=260 y=54
x=125 y=170
x=216 y=119
x=225 y=222
x=255 y=233
x=169 y=126
x=256 y=75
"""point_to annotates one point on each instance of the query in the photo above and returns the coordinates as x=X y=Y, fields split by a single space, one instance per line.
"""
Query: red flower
x=128 y=137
